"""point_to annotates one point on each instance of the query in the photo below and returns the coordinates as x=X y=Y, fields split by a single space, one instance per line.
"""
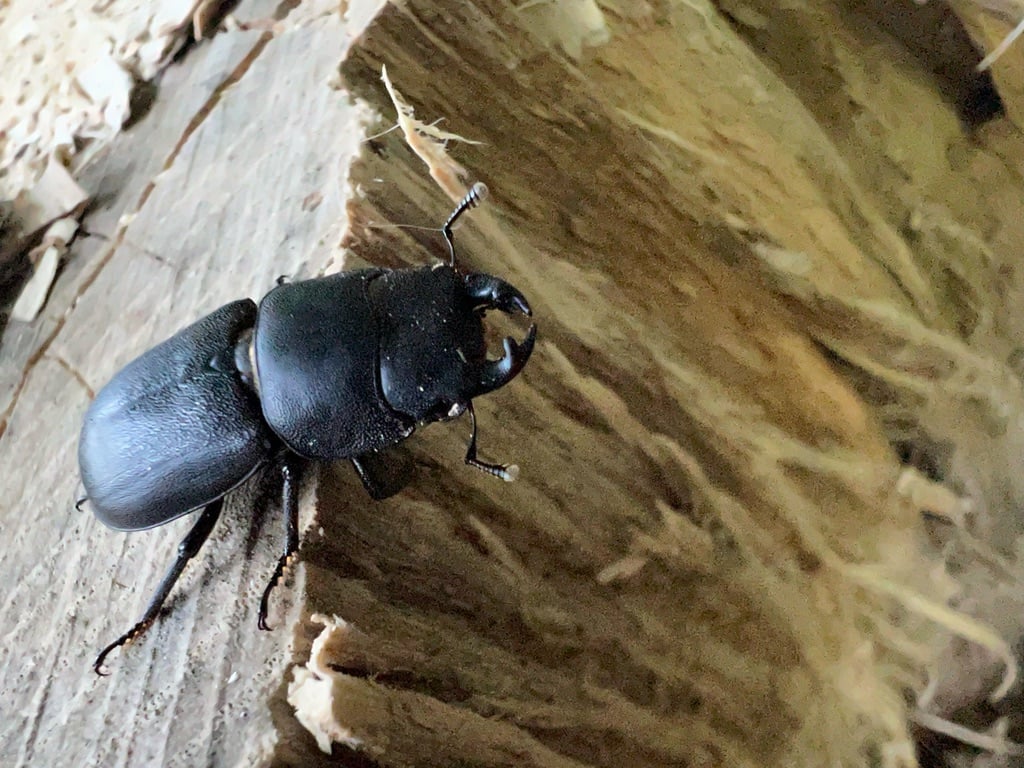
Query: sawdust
x=69 y=70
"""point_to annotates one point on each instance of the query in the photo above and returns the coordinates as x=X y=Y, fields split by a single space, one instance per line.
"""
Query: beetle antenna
x=374 y=225
x=473 y=198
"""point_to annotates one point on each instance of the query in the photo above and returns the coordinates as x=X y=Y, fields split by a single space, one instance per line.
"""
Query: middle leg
x=291 y=472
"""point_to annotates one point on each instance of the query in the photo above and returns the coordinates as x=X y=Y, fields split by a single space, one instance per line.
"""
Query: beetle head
x=433 y=354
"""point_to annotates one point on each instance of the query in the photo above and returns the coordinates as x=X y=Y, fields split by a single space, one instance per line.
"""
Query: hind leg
x=187 y=549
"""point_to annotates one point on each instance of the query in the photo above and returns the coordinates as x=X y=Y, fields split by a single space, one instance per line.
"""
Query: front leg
x=506 y=472
x=291 y=473
x=384 y=473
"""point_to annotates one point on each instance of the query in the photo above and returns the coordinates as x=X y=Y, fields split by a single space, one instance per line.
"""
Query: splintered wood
x=429 y=143
x=54 y=203
x=312 y=691
x=69 y=70
x=713 y=555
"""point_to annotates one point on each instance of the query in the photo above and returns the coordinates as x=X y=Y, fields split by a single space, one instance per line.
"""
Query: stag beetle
x=336 y=367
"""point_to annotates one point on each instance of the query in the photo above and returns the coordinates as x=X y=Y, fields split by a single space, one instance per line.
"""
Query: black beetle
x=337 y=367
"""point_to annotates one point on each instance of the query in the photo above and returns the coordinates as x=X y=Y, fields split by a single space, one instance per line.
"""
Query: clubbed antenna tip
x=476 y=195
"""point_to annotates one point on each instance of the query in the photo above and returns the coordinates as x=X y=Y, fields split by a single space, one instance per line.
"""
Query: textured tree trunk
x=753 y=239
x=772 y=254
x=757 y=283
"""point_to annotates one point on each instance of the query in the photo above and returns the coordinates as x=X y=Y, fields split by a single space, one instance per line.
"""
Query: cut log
x=768 y=440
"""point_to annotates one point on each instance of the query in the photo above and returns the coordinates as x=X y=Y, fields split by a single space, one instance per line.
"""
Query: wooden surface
x=261 y=113
x=762 y=284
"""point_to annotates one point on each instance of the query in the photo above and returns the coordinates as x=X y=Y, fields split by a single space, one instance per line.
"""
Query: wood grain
x=772 y=265
x=193 y=691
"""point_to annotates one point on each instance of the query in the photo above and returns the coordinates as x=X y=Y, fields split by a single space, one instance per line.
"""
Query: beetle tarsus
x=283 y=564
x=275 y=579
x=506 y=472
x=261 y=622
x=126 y=639
x=79 y=502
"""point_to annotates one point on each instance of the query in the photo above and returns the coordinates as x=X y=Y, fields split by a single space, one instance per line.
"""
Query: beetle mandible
x=336 y=367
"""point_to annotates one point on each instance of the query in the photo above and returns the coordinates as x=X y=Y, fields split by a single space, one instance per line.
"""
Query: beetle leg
x=79 y=502
x=383 y=473
x=507 y=472
x=187 y=549
x=290 y=475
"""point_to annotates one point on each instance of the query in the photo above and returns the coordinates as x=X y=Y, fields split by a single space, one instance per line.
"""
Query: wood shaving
x=932 y=497
x=69 y=68
x=54 y=203
x=54 y=196
x=571 y=25
x=429 y=143
x=307 y=12
x=956 y=622
x=1003 y=46
x=1010 y=11
x=994 y=741
x=312 y=690
x=204 y=17
x=33 y=294
x=45 y=259
x=622 y=569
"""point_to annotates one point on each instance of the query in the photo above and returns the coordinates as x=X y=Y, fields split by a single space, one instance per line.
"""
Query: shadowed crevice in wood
x=927 y=38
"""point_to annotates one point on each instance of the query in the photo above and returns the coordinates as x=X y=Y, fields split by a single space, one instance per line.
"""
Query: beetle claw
x=97 y=666
x=279 y=571
x=261 y=621
x=126 y=639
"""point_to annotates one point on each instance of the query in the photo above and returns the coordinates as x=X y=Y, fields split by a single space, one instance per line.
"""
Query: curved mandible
x=497 y=373
x=494 y=293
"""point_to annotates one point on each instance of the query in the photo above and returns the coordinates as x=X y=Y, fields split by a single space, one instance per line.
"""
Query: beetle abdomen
x=173 y=430
x=317 y=363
